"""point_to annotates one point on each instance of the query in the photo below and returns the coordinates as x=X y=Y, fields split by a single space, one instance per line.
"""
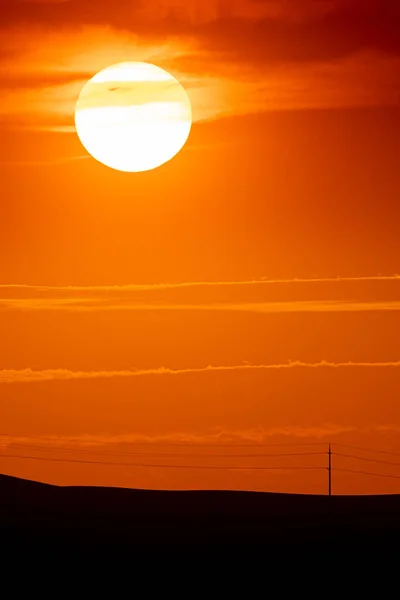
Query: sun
x=133 y=116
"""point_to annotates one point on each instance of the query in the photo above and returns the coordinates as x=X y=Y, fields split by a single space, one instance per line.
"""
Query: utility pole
x=329 y=471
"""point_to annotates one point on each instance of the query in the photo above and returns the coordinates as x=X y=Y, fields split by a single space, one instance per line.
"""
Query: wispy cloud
x=118 y=304
x=144 y=287
x=31 y=376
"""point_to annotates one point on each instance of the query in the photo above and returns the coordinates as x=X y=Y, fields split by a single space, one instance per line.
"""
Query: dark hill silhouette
x=31 y=511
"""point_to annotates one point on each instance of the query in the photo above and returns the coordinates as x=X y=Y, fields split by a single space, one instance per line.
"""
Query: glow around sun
x=133 y=116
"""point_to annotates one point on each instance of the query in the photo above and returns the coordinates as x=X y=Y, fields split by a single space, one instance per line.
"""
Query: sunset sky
x=246 y=293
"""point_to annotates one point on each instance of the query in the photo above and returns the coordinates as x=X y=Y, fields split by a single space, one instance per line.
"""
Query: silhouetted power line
x=193 y=455
x=374 y=460
x=367 y=449
x=159 y=454
x=368 y=473
x=162 y=466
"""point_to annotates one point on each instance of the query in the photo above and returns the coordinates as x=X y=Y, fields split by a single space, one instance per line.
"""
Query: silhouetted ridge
x=31 y=511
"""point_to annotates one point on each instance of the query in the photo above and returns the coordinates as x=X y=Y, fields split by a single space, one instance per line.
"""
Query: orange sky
x=118 y=291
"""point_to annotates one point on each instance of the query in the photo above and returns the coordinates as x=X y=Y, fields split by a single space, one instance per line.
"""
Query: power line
x=125 y=464
x=166 y=455
x=164 y=444
x=374 y=460
x=368 y=449
x=367 y=473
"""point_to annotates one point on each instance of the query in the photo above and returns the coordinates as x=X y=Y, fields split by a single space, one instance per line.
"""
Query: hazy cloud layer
x=240 y=57
x=268 y=31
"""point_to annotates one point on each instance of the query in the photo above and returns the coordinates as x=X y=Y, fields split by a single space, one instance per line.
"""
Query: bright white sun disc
x=133 y=116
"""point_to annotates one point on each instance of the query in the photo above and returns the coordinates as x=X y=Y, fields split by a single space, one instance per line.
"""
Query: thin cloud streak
x=274 y=437
x=46 y=163
x=160 y=286
x=30 y=376
x=40 y=128
x=220 y=436
x=120 y=304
